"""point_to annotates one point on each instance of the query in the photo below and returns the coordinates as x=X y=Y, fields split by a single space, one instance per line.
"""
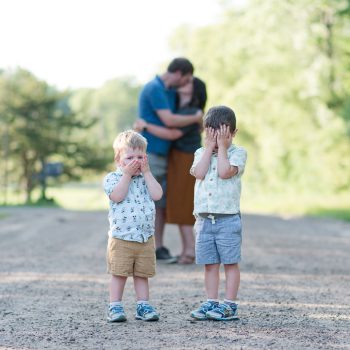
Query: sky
x=83 y=43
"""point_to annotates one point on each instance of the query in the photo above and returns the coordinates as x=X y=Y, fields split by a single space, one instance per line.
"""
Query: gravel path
x=294 y=294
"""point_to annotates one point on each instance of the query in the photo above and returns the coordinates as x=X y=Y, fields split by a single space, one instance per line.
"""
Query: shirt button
x=211 y=179
x=209 y=194
x=214 y=168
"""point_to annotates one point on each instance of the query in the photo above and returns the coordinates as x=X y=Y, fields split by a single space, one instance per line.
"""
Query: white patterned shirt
x=132 y=219
x=213 y=194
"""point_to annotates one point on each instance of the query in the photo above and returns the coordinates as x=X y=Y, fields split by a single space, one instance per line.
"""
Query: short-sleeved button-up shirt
x=132 y=219
x=216 y=195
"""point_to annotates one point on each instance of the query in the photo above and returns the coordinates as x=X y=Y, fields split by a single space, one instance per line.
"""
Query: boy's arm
x=121 y=189
x=225 y=169
x=154 y=188
x=201 y=168
x=159 y=131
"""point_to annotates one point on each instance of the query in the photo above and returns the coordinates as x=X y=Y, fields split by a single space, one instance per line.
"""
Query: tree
x=114 y=106
x=284 y=68
x=40 y=126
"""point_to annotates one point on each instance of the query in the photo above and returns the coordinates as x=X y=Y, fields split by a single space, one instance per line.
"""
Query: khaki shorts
x=127 y=258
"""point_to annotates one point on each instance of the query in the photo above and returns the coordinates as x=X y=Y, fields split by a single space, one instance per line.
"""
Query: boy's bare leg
x=141 y=288
x=232 y=274
x=159 y=226
x=116 y=288
x=212 y=278
x=187 y=238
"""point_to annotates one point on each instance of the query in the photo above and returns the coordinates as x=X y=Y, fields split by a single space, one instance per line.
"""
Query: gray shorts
x=219 y=240
x=159 y=168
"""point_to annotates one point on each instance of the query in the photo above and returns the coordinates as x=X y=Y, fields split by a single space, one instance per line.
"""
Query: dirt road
x=295 y=288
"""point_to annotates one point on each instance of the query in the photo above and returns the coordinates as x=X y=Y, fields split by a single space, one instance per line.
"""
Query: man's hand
x=144 y=165
x=139 y=125
x=131 y=168
x=210 y=138
x=224 y=137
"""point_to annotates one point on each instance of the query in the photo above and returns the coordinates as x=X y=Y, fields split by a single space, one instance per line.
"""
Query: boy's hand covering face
x=224 y=137
x=210 y=138
x=132 y=168
x=131 y=160
x=144 y=165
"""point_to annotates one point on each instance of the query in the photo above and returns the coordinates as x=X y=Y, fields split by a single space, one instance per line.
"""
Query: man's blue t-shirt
x=156 y=96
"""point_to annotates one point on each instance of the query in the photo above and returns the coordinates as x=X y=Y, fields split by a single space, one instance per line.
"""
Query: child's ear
x=234 y=133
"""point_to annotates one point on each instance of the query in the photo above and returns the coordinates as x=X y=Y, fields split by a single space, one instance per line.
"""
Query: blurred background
x=71 y=72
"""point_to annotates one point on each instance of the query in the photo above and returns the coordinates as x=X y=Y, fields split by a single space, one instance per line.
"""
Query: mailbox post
x=53 y=169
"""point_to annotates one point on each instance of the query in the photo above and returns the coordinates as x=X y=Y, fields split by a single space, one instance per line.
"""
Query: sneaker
x=201 y=313
x=116 y=314
x=163 y=253
x=223 y=312
x=146 y=312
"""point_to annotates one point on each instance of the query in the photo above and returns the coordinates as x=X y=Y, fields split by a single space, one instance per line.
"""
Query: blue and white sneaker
x=116 y=314
x=223 y=312
x=146 y=312
x=201 y=313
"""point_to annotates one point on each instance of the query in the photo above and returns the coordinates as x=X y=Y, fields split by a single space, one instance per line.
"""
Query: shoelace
x=224 y=307
x=206 y=306
x=145 y=309
x=117 y=309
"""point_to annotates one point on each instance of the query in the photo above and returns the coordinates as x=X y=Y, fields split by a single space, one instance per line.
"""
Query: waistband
x=216 y=216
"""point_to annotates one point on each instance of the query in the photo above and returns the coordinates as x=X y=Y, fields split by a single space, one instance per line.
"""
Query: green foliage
x=284 y=68
x=38 y=126
x=113 y=106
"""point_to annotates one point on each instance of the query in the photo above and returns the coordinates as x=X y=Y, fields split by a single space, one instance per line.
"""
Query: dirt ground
x=294 y=294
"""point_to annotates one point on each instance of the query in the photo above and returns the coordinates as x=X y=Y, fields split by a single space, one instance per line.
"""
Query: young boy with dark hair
x=218 y=167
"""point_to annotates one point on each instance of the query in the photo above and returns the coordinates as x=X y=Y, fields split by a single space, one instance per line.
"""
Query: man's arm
x=177 y=120
x=159 y=131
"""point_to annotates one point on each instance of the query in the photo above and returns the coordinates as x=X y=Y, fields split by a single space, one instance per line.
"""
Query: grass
x=92 y=197
x=319 y=205
x=70 y=196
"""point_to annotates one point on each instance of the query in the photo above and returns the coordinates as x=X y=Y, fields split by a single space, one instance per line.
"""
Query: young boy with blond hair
x=218 y=167
x=132 y=190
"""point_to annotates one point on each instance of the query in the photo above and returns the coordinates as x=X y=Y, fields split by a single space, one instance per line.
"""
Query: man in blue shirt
x=157 y=104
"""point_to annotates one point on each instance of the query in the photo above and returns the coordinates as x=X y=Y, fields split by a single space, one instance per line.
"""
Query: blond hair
x=128 y=138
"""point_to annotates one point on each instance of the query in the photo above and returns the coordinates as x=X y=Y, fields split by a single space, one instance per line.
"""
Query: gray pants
x=159 y=168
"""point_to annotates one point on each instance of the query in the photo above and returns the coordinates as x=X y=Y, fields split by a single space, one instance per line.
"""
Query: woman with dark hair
x=180 y=184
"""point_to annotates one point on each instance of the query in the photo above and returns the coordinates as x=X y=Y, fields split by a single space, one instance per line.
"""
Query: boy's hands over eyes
x=224 y=137
x=210 y=138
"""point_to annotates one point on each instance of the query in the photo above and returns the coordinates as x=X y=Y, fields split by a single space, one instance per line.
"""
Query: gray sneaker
x=164 y=255
x=201 y=313
x=116 y=314
x=223 y=312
